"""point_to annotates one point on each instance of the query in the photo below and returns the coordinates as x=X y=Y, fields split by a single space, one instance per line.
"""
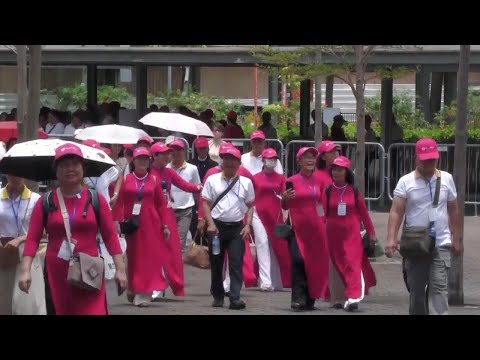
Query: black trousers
x=232 y=242
x=48 y=294
x=300 y=292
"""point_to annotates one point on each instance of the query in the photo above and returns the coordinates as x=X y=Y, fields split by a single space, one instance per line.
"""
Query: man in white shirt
x=224 y=216
x=54 y=126
x=183 y=202
x=253 y=162
x=427 y=276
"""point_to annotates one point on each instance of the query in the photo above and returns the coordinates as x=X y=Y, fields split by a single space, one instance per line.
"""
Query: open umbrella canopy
x=33 y=160
x=177 y=122
x=111 y=134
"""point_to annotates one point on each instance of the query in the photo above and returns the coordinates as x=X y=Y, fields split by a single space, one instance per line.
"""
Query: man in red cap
x=227 y=198
x=183 y=201
x=427 y=199
x=233 y=130
x=252 y=161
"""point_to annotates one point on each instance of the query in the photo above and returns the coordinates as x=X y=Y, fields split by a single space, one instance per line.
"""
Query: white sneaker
x=142 y=300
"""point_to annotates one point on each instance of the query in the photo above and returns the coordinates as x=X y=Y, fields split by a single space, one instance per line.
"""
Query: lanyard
x=15 y=213
x=271 y=184
x=93 y=183
x=342 y=191
x=313 y=190
x=71 y=217
x=139 y=191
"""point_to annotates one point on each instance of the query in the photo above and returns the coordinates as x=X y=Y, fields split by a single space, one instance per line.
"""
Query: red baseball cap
x=146 y=139
x=342 y=161
x=426 y=149
x=257 y=134
x=68 y=149
x=231 y=151
x=92 y=143
x=326 y=146
x=159 y=147
x=269 y=154
x=304 y=150
x=141 y=151
x=201 y=142
x=177 y=143
x=224 y=146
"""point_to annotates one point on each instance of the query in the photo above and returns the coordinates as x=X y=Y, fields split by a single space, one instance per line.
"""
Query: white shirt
x=233 y=206
x=70 y=130
x=101 y=184
x=25 y=204
x=416 y=191
x=55 y=129
x=254 y=164
x=182 y=199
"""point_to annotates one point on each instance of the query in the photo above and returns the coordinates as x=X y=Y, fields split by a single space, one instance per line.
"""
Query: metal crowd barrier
x=374 y=164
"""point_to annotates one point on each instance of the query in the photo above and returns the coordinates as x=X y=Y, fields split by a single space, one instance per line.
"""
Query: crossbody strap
x=63 y=209
x=227 y=190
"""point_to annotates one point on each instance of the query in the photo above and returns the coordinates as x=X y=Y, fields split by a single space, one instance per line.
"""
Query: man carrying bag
x=427 y=198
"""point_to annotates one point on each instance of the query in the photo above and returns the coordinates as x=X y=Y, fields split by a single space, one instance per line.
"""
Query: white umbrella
x=176 y=122
x=111 y=134
x=33 y=160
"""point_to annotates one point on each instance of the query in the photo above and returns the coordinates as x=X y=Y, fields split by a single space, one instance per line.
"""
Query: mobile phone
x=120 y=291
x=289 y=185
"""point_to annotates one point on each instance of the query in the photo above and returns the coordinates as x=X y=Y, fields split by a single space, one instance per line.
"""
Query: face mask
x=271 y=163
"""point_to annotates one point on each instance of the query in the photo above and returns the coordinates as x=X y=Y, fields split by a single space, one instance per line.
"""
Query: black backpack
x=48 y=205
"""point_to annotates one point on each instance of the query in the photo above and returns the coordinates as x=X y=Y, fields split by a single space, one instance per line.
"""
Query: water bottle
x=215 y=245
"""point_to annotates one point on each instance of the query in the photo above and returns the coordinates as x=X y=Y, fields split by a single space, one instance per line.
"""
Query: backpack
x=48 y=205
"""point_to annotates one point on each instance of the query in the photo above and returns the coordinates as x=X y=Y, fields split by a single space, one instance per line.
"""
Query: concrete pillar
x=92 y=84
x=422 y=92
x=141 y=89
x=329 y=91
x=450 y=87
x=436 y=94
x=304 y=107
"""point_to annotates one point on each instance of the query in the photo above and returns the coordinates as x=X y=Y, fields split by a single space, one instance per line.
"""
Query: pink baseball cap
x=326 y=146
x=141 y=151
x=224 y=146
x=68 y=149
x=146 y=139
x=257 y=134
x=159 y=147
x=201 y=142
x=304 y=150
x=342 y=161
x=426 y=149
x=231 y=151
x=177 y=143
x=269 y=154
x=92 y=143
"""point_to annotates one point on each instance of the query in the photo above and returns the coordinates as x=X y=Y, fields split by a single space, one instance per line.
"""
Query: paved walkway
x=389 y=297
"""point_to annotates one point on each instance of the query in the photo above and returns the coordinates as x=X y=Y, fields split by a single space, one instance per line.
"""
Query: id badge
x=342 y=209
x=66 y=250
x=320 y=211
x=136 y=209
x=432 y=214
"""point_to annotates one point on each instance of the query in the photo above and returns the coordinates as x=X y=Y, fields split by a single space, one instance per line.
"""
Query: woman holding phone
x=308 y=247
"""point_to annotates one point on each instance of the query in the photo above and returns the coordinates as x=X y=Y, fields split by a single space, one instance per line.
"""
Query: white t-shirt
x=254 y=164
x=55 y=129
x=214 y=150
x=416 y=191
x=182 y=199
x=233 y=206
x=25 y=204
x=100 y=184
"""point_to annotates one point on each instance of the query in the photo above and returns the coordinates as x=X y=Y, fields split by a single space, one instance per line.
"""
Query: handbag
x=9 y=255
x=415 y=240
x=283 y=230
x=130 y=226
x=197 y=255
x=84 y=271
